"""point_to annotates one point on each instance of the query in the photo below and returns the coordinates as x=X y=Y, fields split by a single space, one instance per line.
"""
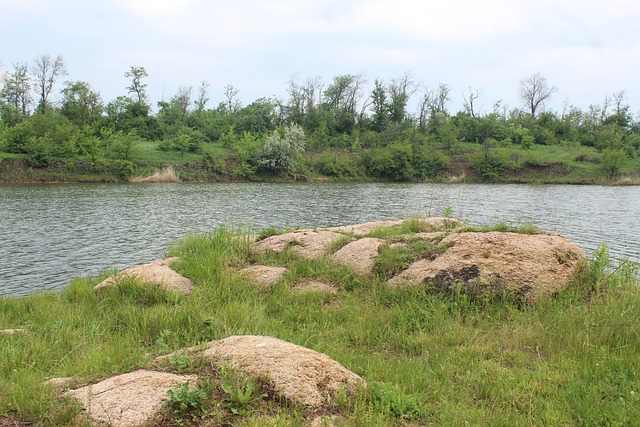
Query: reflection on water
x=51 y=233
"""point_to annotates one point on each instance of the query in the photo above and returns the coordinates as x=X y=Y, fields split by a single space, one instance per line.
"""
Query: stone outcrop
x=12 y=331
x=128 y=400
x=298 y=374
x=314 y=285
x=526 y=267
x=359 y=255
x=263 y=275
x=306 y=243
x=158 y=273
x=523 y=266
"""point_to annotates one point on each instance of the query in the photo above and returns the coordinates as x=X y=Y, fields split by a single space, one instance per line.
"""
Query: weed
x=388 y=398
x=243 y=392
x=184 y=398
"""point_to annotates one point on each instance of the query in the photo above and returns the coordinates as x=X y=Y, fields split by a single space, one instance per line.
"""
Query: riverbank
x=429 y=359
x=537 y=165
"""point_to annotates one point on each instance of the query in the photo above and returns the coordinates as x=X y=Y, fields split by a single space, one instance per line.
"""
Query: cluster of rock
x=297 y=374
x=526 y=267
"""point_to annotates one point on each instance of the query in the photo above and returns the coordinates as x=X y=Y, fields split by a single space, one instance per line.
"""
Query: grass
x=572 y=360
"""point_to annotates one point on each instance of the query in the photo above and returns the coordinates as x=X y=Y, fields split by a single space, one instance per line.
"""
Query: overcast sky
x=588 y=49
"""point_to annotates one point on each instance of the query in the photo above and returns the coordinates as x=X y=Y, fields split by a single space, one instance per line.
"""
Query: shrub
x=490 y=166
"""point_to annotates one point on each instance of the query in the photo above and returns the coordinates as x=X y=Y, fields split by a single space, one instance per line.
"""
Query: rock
x=128 y=400
x=158 y=273
x=314 y=285
x=359 y=255
x=12 y=331
x=263 y=274
x=526 y=267
x=298 y=374
x=61 y=383
x=307 y=243
x=366 y=228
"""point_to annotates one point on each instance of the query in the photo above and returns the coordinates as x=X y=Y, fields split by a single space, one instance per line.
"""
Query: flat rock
x=365 y=228
x=314 y=285
x=158 y=273
x=12 y=331
x=298 y=374
x=359 y=255
x=526 y=267
x=264 y=275
x=306 y=243
x=128 y=400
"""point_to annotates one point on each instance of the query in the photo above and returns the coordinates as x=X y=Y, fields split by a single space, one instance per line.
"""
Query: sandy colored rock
x=61 y=383
x=128 y=400
x=12 y=331
x=365 y=228
x=441 y=223
x=359 y=255
x=297 y=373
x=307 y=243
x=314 y=285
x=264 y=275
x=526 y=267
x=157 y=272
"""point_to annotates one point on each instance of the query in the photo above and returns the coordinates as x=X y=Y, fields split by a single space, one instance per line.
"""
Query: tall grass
x=431 y=359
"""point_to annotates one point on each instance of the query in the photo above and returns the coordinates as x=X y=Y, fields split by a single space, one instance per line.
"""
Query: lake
x=51 y=233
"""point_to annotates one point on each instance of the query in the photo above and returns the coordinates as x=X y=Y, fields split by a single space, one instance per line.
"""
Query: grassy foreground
x=573 y=360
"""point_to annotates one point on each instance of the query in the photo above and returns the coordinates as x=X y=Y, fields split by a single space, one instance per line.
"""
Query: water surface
x=51 y=233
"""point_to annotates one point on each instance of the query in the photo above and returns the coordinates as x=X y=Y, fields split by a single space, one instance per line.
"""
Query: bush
x=430 y=164
x=394 y=162
x=490 y=166
x=281 y=151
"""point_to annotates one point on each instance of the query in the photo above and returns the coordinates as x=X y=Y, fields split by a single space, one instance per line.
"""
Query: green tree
x=137 y=87
x=80 y=104
x=613 y=159
x=15 y=95
x=379 y=106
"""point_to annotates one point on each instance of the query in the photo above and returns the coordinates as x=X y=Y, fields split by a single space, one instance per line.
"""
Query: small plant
x=183 y=398
x=388 y=398
x=448 y=212
x=243 y=392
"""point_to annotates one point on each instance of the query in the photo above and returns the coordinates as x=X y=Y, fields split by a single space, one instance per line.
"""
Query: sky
x=586 y=49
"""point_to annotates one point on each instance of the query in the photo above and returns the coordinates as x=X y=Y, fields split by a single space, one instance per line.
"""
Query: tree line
x=375 y=124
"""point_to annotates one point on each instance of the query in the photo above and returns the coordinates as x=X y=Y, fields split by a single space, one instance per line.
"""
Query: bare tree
x=535 y=91
x=469 y=99
x=182 y=99
x=433 y=101
x=233 y=104
x=202 y=98
x=46 y=73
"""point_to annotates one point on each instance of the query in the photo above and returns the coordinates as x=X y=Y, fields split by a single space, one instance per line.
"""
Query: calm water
x=51 y=233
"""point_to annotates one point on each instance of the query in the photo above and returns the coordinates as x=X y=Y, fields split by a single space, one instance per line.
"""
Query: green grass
x=572 y=360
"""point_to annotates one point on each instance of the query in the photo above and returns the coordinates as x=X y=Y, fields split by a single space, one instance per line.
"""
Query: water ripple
x=52 y=233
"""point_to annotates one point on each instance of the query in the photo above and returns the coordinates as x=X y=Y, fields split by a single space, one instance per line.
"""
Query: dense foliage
x=344 y=128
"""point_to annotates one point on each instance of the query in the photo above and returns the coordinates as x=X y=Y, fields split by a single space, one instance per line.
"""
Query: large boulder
x=264 y=275
x=360 y=255
x=306 y=243
x=158 y=273
x=298 y=374
x=128 y=400
x=525 y=267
